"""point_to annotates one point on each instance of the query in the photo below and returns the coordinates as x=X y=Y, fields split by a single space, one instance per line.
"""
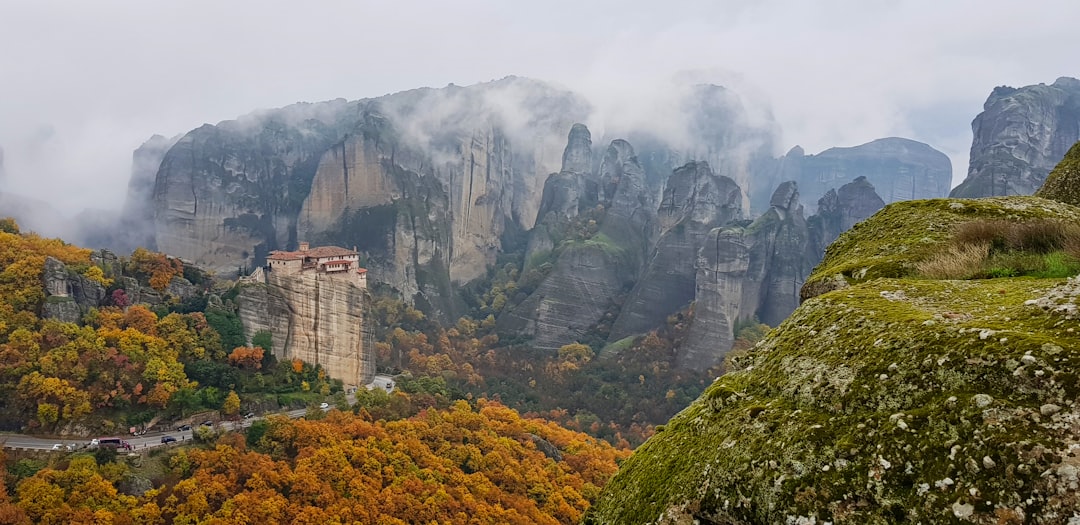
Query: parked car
x=167 y=439
x=208 y=423
x=249 y=415
x=324 y=406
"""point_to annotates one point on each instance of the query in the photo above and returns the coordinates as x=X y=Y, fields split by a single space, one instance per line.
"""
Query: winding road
x=153 y=439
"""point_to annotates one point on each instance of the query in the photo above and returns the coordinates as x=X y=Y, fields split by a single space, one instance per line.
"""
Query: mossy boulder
x=895 y=399
x=1063 y=183
x=895 y=239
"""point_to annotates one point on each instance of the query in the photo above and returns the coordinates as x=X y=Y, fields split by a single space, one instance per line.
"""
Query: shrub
x=958 y=262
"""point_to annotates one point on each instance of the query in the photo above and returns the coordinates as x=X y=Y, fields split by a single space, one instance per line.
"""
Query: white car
x=324 y=406
x=61 y=446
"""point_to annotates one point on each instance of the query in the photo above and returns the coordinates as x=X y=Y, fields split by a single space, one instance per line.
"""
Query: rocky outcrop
x=1063 y=183
x=313 y=316
x=841 y=209
x=742 y=272
x=68 y=295
x=896 y=400
x=1020 y=136
x=568 y=193
x=587 y=271
x=694 y=201
x=900 y=169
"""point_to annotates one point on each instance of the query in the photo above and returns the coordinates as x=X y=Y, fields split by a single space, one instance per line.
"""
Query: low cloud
x=90 y=82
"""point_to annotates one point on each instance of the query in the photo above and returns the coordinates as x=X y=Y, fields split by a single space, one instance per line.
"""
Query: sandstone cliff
x=893 y=400
x=313 y=316
x=900 y=169
x=1019 y=137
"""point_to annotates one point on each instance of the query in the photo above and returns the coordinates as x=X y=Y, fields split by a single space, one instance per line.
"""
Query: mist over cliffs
x=432 y=186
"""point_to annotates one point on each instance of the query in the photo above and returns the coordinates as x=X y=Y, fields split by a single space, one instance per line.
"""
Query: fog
x=83 y=84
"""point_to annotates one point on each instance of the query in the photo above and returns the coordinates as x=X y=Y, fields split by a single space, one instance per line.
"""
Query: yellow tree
x=231 y=406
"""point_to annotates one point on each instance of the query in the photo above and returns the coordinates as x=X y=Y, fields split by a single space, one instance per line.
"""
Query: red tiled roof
x=361 y=270
x=285 y=256
x=327 y=251
x=314 y=253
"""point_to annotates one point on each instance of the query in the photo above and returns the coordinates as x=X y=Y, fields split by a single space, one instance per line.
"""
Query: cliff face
x=694 y=201
x=226 y=195
x=900 y=169
x=426 y=180
x=746 y=271
x=313 y=316
x=1019 y=137
x=893 y=400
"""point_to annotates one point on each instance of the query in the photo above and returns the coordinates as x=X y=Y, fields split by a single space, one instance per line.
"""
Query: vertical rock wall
x=316 y=317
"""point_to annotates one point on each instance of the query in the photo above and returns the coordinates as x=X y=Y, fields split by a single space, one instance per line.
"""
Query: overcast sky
x=84 y=83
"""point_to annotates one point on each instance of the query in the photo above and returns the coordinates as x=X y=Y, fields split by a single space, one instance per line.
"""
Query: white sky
x=82 y=84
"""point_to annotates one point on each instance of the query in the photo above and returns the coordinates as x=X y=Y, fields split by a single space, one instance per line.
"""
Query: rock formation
x=694 y=201
x=424 y=182
x=894 y=400
x=587 y=270
x=839 y=210
x=313 y=315
x=742 y=272
x=1063 y=183
x=1019 y=137
x=68 y=294
x=900 y=169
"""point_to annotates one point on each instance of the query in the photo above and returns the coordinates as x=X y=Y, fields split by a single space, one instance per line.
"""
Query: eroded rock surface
x=312 y=316
x=1020 y=136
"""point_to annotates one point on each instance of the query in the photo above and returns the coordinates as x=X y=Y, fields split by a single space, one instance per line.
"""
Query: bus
x=110 y=442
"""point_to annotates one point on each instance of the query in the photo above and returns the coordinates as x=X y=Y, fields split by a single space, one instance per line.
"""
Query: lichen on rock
x=1063 y=183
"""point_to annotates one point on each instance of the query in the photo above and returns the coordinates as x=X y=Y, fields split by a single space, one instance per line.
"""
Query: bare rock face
x=839 y=210
x=68 y=295
x=424 y=182
x=313 y=316
x=227 y=194
x=1020 y=136
x=722 y=288
x=746 y=271
x=900 y=169
x=585 y=277
x=694 y=201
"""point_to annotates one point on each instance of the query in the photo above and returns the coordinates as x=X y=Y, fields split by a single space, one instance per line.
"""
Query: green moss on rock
x=891 y=400
x=895 y=239
x=1063 y=183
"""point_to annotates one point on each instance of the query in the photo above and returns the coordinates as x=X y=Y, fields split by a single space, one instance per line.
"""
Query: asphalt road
x=153 y=439
x=145 y=441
